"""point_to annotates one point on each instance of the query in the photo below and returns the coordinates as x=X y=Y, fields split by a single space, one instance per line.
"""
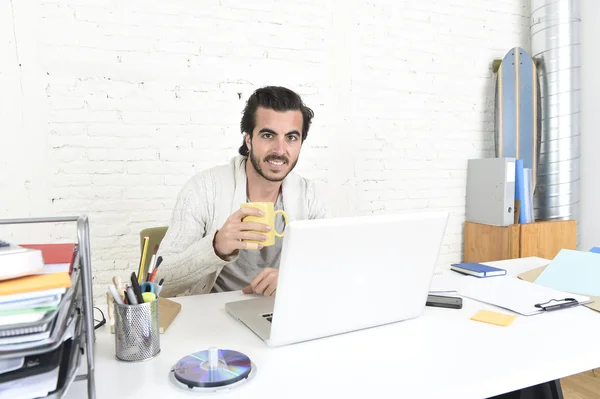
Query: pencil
x=143 y=259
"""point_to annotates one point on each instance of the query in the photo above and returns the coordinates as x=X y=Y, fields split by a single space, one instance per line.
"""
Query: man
x=203 y=249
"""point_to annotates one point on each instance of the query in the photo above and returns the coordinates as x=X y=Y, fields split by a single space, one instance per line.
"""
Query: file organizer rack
x=80 y=294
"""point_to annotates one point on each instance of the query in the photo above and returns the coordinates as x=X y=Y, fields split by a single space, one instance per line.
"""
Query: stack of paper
x=35 y=308
x=26 y=302
x=26 y=299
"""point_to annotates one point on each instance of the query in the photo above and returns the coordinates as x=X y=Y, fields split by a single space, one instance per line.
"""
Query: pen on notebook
x=159 y=286
x=131 y=296
x=115 y=294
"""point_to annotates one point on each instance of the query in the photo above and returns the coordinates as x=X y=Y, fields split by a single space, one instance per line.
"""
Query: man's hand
x=265 y=283
x=229 y=237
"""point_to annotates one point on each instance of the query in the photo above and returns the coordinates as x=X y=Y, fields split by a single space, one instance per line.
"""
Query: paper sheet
x=573 y=271
x=513 y=294
x=443 y=282
x=30 y=387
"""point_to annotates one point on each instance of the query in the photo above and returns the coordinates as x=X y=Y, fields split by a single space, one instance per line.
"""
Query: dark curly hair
x=276 y=98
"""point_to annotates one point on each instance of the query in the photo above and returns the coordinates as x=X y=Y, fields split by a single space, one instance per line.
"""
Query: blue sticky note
x=595 y=250
x=577 y=272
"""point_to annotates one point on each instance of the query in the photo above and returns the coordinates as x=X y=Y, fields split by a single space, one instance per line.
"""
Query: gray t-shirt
x=249 y=263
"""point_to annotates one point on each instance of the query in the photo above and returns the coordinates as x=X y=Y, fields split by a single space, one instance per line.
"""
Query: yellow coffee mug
x=269 y=213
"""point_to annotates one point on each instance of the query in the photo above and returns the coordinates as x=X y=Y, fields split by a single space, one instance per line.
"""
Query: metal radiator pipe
x=555 y=44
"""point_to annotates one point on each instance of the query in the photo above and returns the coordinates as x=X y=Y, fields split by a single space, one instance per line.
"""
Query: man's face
x=276 y=142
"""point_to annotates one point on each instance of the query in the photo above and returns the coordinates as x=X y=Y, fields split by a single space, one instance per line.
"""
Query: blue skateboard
x=518 y=109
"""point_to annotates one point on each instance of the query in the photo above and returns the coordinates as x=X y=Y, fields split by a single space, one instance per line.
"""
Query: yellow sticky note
x=488 y=316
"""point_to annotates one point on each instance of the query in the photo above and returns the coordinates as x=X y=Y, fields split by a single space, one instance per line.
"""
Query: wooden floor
x=582 y=386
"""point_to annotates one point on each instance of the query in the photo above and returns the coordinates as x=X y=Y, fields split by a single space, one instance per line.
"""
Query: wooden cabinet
x=486 y=243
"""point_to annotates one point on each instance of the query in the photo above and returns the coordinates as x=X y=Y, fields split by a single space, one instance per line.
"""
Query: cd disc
x=212 y=368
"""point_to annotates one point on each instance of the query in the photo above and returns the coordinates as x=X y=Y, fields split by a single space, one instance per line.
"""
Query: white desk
x=442 y=354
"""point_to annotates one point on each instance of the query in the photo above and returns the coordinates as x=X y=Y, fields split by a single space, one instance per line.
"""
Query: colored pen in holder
x=137 y=331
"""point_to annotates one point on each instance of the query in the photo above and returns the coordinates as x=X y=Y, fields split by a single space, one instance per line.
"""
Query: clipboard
x=533 y=274
x=519 y=296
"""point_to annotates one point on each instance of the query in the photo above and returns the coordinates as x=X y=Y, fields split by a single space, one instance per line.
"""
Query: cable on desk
x=100 y=322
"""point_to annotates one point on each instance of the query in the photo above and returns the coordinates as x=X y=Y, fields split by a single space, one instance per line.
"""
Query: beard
x=259 y=170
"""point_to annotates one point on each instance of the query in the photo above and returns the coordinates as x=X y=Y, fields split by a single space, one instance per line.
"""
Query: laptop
x=345 y=274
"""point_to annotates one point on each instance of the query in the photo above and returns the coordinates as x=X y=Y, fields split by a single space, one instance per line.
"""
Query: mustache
x=276 y=158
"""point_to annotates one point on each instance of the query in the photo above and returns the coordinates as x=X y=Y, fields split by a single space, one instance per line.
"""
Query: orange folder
x=38 y=282
x=53 y=253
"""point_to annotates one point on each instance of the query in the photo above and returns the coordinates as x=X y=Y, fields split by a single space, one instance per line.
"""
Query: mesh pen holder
x=137 y=331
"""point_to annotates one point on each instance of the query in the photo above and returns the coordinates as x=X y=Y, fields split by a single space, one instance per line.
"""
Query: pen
x=115 y=294
x=159 y=286
x=151 y=267
x=152 y=264
x=136 y=288
x=131 y=296
x=560 y=306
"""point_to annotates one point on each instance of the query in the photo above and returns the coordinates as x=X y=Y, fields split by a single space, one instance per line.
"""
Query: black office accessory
x=136 y=288
x=566 y=303
x=444 y=301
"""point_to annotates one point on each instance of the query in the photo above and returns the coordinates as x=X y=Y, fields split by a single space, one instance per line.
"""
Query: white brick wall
x=124 y=101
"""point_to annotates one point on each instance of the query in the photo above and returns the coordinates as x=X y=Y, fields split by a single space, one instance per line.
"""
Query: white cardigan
x=190 y=265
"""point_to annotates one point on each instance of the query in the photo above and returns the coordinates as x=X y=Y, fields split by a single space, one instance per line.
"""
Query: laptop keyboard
x=268 y=316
